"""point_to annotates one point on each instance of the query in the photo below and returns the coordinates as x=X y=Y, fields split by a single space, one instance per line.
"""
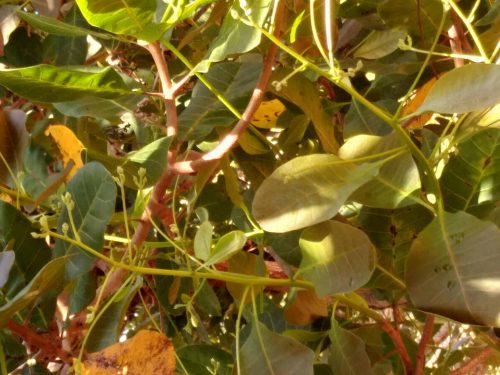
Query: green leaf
x=392 y=232
x=23 y=49
x=203 y=240
x=93 y=192
x=235 y=82
x=307 y=190
x=83 y=292
x=379 y=44
x=226 y=247
x=204 y=359
x=235 y=36
x=360 y=120
x=397 y=179
x=268 y=353
x=7 y=259
x=46 y=83
x=47 y=279
x=469 y=88
x=336 y=257
x=109 y=327
x=31 y=254
x=53 y=26
x=420 y=17
x=136 y=18
x=109 y=109
x=152 y=157
x=303 y=93
x=347 y=352
x=471 y=179
x=452 y=269
x=207 y=301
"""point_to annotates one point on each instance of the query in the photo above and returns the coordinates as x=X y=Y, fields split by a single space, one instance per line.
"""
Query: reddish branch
x=458 y=40
x=230 y=139
x=47 y=346
x=395 y=335
x=426 y=337
x=478 y=360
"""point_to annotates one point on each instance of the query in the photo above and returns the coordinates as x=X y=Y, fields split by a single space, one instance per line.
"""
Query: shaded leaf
x=246 y=264
x=93 y=192
x=23 y=49
x=31 y=253
x=305 y=307
x=471 y=179
x=204 y=359
x=7 y=259
x=469 y=88
x=49 y=278
x=336 y=257
x=235 y=81
x=303 y=93
x=148 y=352
x=360 y=120
x=307 y=190
x=14 y=140
x=152 y=157
x=347 y=352
x=46 y=83
x=108 y=328
x=379 y=44
x=268 y=353
x=452 y=269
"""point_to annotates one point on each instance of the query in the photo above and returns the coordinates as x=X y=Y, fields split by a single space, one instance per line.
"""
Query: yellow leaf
x=147 y=353
x=414 y=102
x=68 y=144
x=266 y=115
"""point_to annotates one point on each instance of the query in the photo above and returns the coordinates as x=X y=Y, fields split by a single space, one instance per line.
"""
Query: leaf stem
x=426 y=337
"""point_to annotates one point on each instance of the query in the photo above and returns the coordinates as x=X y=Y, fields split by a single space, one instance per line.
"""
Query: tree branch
x=474 y=362
x=230 y=139
x=166 y=84
x=48 y=347
x=426 y=336
x=395 y=335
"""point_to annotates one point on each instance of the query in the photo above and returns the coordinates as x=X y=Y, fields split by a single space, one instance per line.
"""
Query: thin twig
x=426 y=337
x=479 y=359
x=395 y=335
x=230 y=139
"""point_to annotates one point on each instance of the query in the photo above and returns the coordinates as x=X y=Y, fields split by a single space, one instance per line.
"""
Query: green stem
x=393 y=277
x=212 y=275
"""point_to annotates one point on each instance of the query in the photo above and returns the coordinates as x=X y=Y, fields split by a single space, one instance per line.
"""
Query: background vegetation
x=240 y=187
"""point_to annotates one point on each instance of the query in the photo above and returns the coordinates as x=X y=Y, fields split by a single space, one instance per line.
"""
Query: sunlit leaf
x=268 y=112
x=452 y=269
x=469 y=88
x=148 y=352
x=46 y=83
x=336 y=257
x=226 y=246
x=268 y=353
x=68 y=145
x=307 y=190
x=203 y=240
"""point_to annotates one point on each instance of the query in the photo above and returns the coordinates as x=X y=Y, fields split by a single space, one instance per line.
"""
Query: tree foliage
x=232 y=187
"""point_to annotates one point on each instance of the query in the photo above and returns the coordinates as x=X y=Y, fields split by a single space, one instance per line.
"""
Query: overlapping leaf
x=336 y=257
x=308 y=190
x=452 y=269
x=471 y=179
